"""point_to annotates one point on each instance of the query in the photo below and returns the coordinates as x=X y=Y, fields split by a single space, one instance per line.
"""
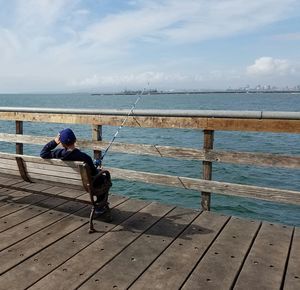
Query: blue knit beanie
x=67 y=136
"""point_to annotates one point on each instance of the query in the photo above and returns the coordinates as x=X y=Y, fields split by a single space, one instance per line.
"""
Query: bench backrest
x=73 y=174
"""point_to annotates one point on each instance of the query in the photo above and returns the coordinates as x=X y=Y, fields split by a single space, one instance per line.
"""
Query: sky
x=115 y=45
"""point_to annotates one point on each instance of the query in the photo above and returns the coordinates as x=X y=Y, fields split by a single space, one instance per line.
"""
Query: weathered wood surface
x=256 y=159
x=97 y=136
x=292 y=277
x=19 y=130
x=271 y=194
x=268 y=272
x=146 y=246
x=36 y=169
x=66 y=173
x=231 y=124
x=208 y=142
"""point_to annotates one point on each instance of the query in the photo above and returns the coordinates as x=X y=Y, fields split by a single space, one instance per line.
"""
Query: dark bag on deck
x=101 y=184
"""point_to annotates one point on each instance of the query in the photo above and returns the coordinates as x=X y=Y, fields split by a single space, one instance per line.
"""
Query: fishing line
x=98 y=162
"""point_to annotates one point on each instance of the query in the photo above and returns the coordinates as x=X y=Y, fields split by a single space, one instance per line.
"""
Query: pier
x=43 y=226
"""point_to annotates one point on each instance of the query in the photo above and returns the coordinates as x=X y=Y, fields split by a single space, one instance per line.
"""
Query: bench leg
x=92 y=229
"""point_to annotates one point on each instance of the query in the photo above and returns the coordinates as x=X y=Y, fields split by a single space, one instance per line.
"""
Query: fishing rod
x=98 y=162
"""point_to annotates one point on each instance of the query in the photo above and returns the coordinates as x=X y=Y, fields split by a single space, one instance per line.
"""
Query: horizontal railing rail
x=162 y=113
x=258 y=121
x=247 y=158
x=207 y=121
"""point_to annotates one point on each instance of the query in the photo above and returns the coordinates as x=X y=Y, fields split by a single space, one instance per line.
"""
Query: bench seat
x=70 y=174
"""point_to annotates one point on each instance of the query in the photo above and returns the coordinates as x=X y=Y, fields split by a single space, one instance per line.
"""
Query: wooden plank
x=136 y=121
x=66 y=175
x=57 y=190
x=216 y=123
x=11 y=172
x=19 y=130
x=80 y=267
x=72 y=193
x=50 y=167
x=34 y=159
x=54 y=183
x=13 y=200
x=49 y=212
x=24 y=214
x=7 y=180
x=22 y=169
x=8 y=163
x=20 y=251
x=36 y=187
x=42 y=239
x=264 y=193
x=220 y=265
x=265 y=265
x=5 y=194
x=40 y=164
x=208 y=141
x=256 y=159
x=17 y=200
x=8 y=195
x=36 y=177
x=172 y=268
x=43 y=171
x=44 y=262
x=134 y=259
x=26 y=139
x=254 y=125
x=97 y=136
x=145 y=149
x=292 y=277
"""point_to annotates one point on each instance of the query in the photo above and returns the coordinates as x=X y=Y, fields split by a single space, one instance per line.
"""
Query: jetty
x=44 y=239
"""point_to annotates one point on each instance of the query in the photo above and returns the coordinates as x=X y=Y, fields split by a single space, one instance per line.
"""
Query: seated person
x=69 y=152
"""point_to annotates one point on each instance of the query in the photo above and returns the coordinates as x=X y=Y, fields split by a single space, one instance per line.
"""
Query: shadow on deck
x=44 y=243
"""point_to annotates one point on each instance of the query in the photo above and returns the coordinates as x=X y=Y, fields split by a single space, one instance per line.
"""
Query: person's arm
x=47 y=152
x=91 y=164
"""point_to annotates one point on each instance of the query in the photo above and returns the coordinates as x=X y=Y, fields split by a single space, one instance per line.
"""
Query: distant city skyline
x=93 y=45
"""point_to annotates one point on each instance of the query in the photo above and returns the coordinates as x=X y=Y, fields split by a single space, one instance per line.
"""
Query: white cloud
x=69 y=40
x=39 y=14
x=157 y=79
x=295 y=36
x=131 y=79
x=270 y=66
x=186 y=21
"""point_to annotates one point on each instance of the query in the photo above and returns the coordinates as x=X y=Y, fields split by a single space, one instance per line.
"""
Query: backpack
x=101 y=183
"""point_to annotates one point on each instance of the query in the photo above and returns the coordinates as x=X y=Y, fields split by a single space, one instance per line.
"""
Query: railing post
x=97 y=136
x=207 y=168
x=19 y=130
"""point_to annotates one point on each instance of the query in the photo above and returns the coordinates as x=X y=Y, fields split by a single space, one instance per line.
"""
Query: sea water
x=277 y=143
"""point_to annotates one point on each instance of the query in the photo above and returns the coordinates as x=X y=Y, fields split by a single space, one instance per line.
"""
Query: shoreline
x=197 y=92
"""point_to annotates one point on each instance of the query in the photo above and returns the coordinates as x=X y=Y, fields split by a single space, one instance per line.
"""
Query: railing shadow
x=123 y=220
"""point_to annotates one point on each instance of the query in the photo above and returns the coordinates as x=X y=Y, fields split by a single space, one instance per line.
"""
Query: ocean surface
x=287 y=144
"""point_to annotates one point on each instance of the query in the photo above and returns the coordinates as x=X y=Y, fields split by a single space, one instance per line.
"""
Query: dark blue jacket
x=49 y=152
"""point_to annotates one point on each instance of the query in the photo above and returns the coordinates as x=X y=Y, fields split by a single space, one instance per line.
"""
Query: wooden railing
x=207 y=121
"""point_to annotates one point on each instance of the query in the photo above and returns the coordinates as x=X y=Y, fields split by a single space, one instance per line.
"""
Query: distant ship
x=135 y=92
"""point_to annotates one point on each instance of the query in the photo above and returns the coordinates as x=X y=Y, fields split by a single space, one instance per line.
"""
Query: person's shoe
x=107 y=216
x=100 y=211
x=104 y=213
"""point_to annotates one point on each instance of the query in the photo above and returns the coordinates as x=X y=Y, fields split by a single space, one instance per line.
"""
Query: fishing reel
x=98 y=163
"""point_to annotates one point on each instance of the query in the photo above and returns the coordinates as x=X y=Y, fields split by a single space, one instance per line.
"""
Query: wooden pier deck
x=44 y=244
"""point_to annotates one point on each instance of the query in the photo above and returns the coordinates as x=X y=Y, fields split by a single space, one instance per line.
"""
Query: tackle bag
x=101 y=183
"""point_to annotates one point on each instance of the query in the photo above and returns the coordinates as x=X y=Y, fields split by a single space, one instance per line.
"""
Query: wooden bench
x=69 y=174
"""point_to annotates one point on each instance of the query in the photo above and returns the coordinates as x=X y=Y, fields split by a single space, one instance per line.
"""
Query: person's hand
x=57 y=139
